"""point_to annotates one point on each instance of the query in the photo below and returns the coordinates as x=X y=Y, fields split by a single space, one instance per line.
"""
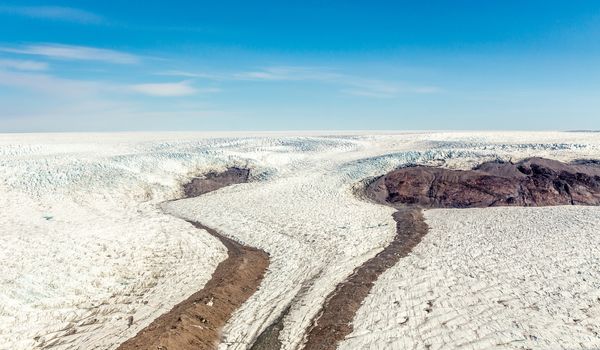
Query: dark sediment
x=334 y=322
x=269 y=338
x=196 y=323
x=532 y=182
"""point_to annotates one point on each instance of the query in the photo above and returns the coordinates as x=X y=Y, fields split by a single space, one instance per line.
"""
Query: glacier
x=90 y=238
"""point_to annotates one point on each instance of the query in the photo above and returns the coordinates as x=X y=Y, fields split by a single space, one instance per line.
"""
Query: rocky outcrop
x=214 y=180
x=531 y=182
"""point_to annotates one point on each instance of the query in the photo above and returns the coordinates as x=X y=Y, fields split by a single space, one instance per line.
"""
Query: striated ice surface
x=86 y=244
x=494 y=278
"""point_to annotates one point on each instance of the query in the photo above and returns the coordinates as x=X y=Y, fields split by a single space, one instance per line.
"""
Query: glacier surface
x=89 y=243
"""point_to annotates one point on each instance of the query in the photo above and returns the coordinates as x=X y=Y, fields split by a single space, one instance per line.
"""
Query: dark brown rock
x=531 y=182
x=214 y=180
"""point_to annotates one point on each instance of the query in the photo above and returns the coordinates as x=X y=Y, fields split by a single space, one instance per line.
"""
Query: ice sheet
x=85 y=243
x=494 y=278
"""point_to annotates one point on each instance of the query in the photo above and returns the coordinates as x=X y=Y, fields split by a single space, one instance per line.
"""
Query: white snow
x=85 y=243
x=510 y=278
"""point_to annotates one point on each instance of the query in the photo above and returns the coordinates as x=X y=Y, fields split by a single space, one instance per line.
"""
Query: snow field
x=74 y=270
x=86 y=244
x=494 y=278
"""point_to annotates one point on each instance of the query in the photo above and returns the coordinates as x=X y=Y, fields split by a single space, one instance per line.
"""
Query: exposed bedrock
x=197 y=322
x=214 y=180
x=531 y=182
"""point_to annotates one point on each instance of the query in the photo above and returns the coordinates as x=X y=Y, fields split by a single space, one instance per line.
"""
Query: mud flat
x=196 y=323
x=531 y=182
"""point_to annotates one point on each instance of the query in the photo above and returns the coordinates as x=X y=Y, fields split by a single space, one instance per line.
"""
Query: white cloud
x=71 y=52
x=23 y=65
x=276 y=73
x=349 y=84
x=427 y=89
x=367 y=93
x=371 y=88
x=383 y=89
x=104 y=116
x=53 y=12
x=49 y=84
x=165 y=89
x=63 y=104
x=185 y=74
x=290 y=73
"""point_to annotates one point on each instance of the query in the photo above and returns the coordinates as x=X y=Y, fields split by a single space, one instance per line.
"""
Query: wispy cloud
x=70 y=104
x=291 y=73
x=105 y=116
x=49 y=84
x=68 y=14
x=348 y=84
x=384 y=89
x=26 y=65
x=368 y=93
x=277 y=73
x=202 y=75
x=71 y=52
x=182 y=88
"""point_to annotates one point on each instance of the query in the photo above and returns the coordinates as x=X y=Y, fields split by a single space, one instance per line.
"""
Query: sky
x=299 y=65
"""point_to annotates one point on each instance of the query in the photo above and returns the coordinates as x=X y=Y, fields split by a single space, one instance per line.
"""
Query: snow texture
x=87 y=241
x=494 y=278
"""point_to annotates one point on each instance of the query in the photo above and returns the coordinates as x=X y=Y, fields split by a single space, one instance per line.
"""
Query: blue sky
x=299 y=65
